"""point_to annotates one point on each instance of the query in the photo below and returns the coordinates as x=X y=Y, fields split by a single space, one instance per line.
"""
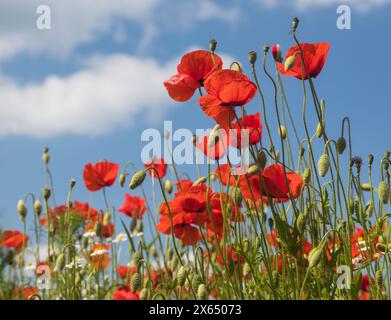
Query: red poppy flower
x=254 y=126
x=183 y=185
x=217 y=151
x=99 y=175
x=133 y=206
x=108 y=228
x=226 y=89
x=124 y=293
x=125 y=272
x=365 y=288
x=84 y=210
x=193 y=70
x=315 y=55
x=159 y=165
x=223 y=173
x=13 y=239
x=230 y=254
x=25 y=293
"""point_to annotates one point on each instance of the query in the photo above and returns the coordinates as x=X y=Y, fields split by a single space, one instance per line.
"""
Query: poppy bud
x=246 y=270
x=384 y=192
x=320 y=129
x=37 y=207
x=139 y=227
x=323 y=164
x=253 y=169
x=307 y=175
x=282 y=132
x=366 y=187
x=341 y=145
x=106 y=219
x=202 y=292
x=60 y=262
x=276 y=52
x=369 y=208
x=379 y=278
x=72 y=183
x=212 y=45
x=295 y=23
x=300 y=222
x=214 y=136
x=236 y=196
x=46 y=156
x=252 y=57
x=22 y=210
x=144 y=294
x=135 y=282
x=168 y=186
x=137 y=257
x=370 y=159
x=122 y=179
x=196 y=282
x=289 y=63
x=200 y=181
x=137 y=179
x=46 y=193
x=266 y=48
x=181 y=276
x=315 y=256
x=98 y=229
x=262 y=159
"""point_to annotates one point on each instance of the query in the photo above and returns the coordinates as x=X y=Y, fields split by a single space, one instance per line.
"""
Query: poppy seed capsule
x=282 y=132
x=289 y=63
x=212 y=45
x=46 y=156
x=370 y=159
x=46 y=193
x=137 y=179
x=307 y=175
x=252 y=57
x=60 y=262
x=341 y=145
x=181 y=276
x=22 y=210
x=135 y=282
x=384 y=192
x=323 y=164
x=295 y=23
x=168 y=186
x=122 y=179
x=37 y=207
x=202 y=292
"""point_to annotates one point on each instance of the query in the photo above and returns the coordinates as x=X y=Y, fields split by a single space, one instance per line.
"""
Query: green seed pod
x=144 y=294
x=137 y=179
x=252 y=57
x=300 y=222
x=60 y=262
x=262 y=159
x=366 y=187
x=181 y=276
x=37 y=207
x=370 y=159
x=282 y=132
x=46 y=193
x=196 y=281
x=307 y=175
x=315 y=256
x=122 y=179
x=22 y=210
x=200 y=181
x=246 y=270
x=379 y=278
x=168 y=186
x=323 y=164
x=289 y=63
x=212 y=45
x=384 y=192
x=341 y=145
x=98 y=229
x=135 y=282
x=202 y=292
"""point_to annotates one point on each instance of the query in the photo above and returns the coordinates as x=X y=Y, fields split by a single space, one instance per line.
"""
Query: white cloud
x=302 y=5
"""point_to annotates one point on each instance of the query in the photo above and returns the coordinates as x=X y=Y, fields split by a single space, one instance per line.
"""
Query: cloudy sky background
x=88 y=87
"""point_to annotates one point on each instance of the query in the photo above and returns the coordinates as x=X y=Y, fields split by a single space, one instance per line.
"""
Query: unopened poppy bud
x=137 y=257
x=315 y=256
x=46 y=193
x=122 y=179
x=137 y=179
x=168 y=186
x=72 y=183
x=212 y=45
x=323 y=164
x=181 y=276
x=384 y=192
x=276 y=52
x=144 y=294
x=133 y=224
x=341 y=145
x=174 y=264
x=295 y=23
x=300 y=222
x=22 y=210
x=98 y=229
x=200 y=181
x=46 y=156
x=236 y=195
x=202 y=292
x=262 y=159
x=60 y=262
x=266 y=48
x=37 y=207
x=369 y=208
x=135 y=282
x=253 y=169
x=214 y=136
x=379 y=278
x=139 y=227
x=370 y=159
x=366 y=187
x=282 y=132
x=307 y=175
x=252 y=57
x=320 y=129
x=106 y=219
x=246 y=270
x=289 y=63
x=196 y=282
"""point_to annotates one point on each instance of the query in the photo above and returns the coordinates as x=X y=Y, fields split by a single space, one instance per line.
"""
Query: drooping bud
x=200 y=181
x=122 y=179
x=181 y=276
x=22 y=210
x=168 y=186
x=252 y=57
x=341 y=145
x=282 y=132
x=45 y=156
x=202 y=292
x=384 y=192
x=320 y=129
x=369 y=208
x=212 y=45
x=276 y=52
x=137 y=179
x=300 y=222
x=366 y=187
x=135 y=282
x=289 y=63
x=307 y=175
x=323 y=164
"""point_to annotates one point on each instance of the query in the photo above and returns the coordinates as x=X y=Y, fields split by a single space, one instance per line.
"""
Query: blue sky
x=88 y=87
